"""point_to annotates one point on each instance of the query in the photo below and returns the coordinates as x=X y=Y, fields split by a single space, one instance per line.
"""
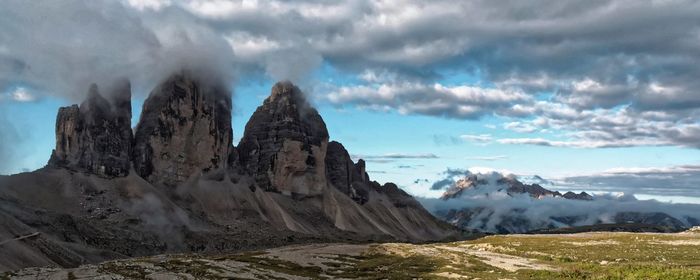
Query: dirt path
x=502 y=261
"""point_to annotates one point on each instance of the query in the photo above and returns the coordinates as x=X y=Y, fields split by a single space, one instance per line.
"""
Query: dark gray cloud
x=442 y=184
x=59 y=48
x=463 y=102
x=418 y=181
x=680 y=181
x=449 y=178
x=394 y=156
x=605 y=128
x=631 y=64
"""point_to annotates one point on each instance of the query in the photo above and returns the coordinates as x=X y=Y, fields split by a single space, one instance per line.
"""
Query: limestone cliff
x=185 y=128
x=284 y=144
x=348 y=177
x=96 y=136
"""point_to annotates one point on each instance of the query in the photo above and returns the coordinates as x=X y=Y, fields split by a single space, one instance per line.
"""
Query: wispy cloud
x=461 y=102
x=488 y=158
x=447 y=140
x=582 y=143
x=397 y=156
x=480 y=138
x=679 y=181
x=21 y=94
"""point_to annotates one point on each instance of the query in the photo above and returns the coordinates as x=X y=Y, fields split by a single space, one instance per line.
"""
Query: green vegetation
x=378 y=266
x=6 y=275
x=603 y=255
x=198 y=268
x=595 y=256
x=128 y=270
x=259 y=261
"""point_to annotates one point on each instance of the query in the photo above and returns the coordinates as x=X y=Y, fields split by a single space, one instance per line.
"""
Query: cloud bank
x=679 y=181
x=604 y=73
x=493 y=209
x=60 y=48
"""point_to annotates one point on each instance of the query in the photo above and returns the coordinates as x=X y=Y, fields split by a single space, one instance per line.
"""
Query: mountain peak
x=286 y=89
x=285 y=143
x=185 y=128
x=93 y=137
x=497 y=182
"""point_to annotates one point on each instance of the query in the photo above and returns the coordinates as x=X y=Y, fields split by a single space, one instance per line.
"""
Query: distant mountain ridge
x=499 y=203
x=511 y=185
x=177 y=184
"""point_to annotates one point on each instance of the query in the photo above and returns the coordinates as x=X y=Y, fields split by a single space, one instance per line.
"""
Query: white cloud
x=478 y=138
x=580 y=143
x=21 y=94
x=520 y=127
x=392 y=156
x=251 y=47
x=648 y=170
x=488 y=158
x=587 y=85
x=462 y=101
x=668 y=181
x=149 y=4
x=613 y=195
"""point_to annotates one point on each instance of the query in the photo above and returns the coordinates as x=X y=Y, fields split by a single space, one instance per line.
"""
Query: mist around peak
x=497 y=202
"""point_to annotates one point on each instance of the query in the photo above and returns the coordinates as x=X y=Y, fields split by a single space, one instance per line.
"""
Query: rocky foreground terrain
x=597 y=255
x=176 y=183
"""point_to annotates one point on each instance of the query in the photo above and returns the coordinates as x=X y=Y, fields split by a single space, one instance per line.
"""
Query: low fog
x=60 y=48
x=493 y=202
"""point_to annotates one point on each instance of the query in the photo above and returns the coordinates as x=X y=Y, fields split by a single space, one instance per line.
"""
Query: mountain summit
x=96 y=136
x=285 y=143
x=185 y=128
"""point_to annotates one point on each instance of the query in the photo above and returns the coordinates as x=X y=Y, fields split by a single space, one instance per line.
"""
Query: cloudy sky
x=600 y=95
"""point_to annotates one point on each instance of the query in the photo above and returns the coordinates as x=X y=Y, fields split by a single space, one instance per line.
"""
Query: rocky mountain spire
x=185 y=128
x=284 y=144
x=96 y=136
x=348 y=177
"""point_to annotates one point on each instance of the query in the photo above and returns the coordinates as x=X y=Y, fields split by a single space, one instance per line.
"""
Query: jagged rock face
x=512 y=186
x=185 y=128
x=345 y=175
x=534 y=190
x=96 y=137
x=398 y=197
x=578 y=196
x=284 y=144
